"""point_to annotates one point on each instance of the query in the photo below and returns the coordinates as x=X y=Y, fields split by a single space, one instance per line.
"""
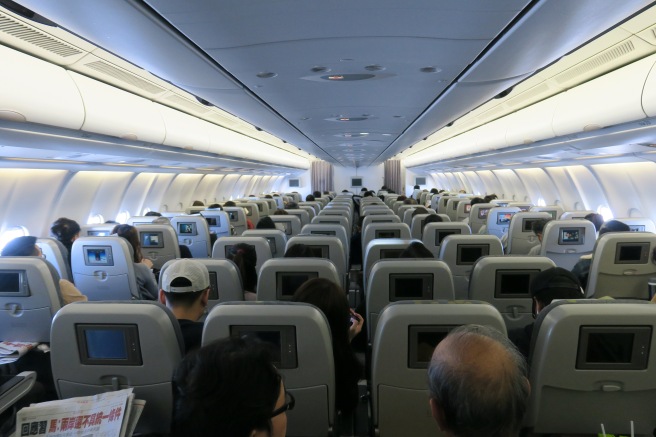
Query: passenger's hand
x=356 y=325
x=148 y=262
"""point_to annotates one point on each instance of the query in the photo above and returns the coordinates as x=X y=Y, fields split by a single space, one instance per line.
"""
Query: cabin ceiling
x=351 y=82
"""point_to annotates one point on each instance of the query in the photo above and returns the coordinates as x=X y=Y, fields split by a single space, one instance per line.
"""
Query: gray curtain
x=322 y=176
x=394 y=175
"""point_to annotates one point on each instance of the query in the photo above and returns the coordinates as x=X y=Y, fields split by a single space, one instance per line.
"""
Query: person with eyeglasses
x=547 y=286
x=230 y=388
x=26 y=246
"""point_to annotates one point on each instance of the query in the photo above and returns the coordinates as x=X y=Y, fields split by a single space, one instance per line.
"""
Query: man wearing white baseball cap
x=185 y=291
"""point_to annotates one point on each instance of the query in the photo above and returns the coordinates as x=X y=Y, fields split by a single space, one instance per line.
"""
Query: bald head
x=477 y=383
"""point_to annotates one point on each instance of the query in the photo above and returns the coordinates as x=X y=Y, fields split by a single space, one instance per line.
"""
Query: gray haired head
x=478 y=380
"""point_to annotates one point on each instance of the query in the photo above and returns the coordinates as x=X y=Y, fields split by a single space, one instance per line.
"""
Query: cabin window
x=541 y=202
x=11 y=233
x=123 y=217
x=605 y=212
x=95 y=219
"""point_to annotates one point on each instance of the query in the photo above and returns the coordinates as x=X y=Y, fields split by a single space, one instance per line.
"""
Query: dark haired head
x=291 y=205
x=298 y=251
x=228 y=388
x=309 y=198
x=229 y=203
x=66 y=231
x=476 y=200
x=410 y=201
x=131 y=234
x=280 y=212
x=614 y=226
x=401 y=198
x=268 y=196
x=214 y=206
x=596 y=219
x=416 y=250
x=433 y=190
x=432 y=218
x=245 y=257
x=416 y=187
x=265 y=223
x=317 y=194
x=554 y=283
x=153 y=214
x=419 y=210
x=538 y=226
x=198 y=203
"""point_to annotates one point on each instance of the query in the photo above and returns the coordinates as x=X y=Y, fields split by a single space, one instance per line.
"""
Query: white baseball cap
x=193 y=271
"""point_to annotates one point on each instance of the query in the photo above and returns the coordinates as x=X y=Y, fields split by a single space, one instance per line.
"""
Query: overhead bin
x=184 y=131
x=37 y=92
x=111 y=111
x=608 y=100
x=532 y=124
x=649 y=93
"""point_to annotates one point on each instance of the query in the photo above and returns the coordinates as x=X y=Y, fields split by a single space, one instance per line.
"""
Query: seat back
x=498 y=220
x=503 y=281
x=301 y=214
x=393 y=280
x=218 y=222
x=225 y=280
x=434 y=234
x=452 y=207
x=289 y=224
x=337 y=211
x=305 y=350
x=463 y=210
x=376 y=230
x=237 y=217
x=103 y=268
x=252 y=210
x=280 y=278
x=333 y=220
x=622 y=264
x=380 y=219
x=401 y=212
x=521 y=237
x=97 y=347
x=57 y=255
x=312 y=212
x=29 y=298
x=460 y=252
x=316 y=206
x=565 y=241
x=222 y=247
x=639 y=224
x=575 y=215
x=328 y=247
x=554 y=210
x=417 y=225
x=194 y=233
x=330 y=230
x=523 y=206
x=404 y=341
x=100 y=230
x=159 y=243
x=277 y=240
x=142 y=219
x=382 y=248
x=591 y=363
x=262 y=208
x=442 y=205
x=478 y=216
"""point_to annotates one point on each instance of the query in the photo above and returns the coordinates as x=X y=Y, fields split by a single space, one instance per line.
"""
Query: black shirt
x=192 y=333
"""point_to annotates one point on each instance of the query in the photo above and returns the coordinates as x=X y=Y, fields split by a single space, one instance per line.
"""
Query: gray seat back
x=262 y=249
x=478 y=216
x=289 y=224
x=521 y=237
x=159 y=243
x=434 y=234
x=498 y=220
x=237 y=217
x=375 y=230
x=57 y=255
x=277 y=239
x=194 y=233
x=280 y=278
x=565 y=241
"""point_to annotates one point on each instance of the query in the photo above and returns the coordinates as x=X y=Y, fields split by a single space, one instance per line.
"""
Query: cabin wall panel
x=181 y=192
x=251 y=186
x=627 y=190
x=227 y=186
x=490 y=182
x=239 y=190
x=305 y=182
x=538 y=185
x=93 y=192
x=137 y=193
x=511 y=186
x=571 y=199
x=588 y=187
x=155 y=198
x=29 y=198
x=207 y=188
x=474 y=184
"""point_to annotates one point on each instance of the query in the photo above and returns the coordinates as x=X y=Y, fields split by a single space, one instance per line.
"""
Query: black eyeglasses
x=287 y=406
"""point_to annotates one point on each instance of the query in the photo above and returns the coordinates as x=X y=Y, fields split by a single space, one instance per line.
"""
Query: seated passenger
x=344 y=324
x=550 y=284
x=26 y=246
x=280 y=212
x=66 y=231
x=291 y=205
x=230 y=388
x=153 y=214
x=432 y=218
x=310 y=198
x=409 y=201
x=477 y=383
x=142 y=266
x=538 y=228
x=582 y=268
x=596 y=219
x=245 y=257
x=473 y=202
x=198 y=203
x=416 y=250
x=265 y=223
x=355 y=246
x=185 y=291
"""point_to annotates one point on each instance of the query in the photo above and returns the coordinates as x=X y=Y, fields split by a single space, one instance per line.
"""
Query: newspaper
x=11 y=351
x=111 y=414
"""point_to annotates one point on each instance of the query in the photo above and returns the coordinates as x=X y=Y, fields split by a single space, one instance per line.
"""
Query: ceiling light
x=58 y=161
x=266 y=74
x=374 y=67
x=318 y=69
x=348 y=77
x=118 y=164
x=430 y=70
x=173 y=167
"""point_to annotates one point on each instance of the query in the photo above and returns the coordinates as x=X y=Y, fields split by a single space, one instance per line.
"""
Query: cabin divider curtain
x=393 y=177
x=322 y=176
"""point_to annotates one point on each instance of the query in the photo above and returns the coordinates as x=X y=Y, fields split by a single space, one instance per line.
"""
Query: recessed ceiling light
x=266 y=74
x=430 y=70
x=319 y=69
x=348 y=77
x=374 y=67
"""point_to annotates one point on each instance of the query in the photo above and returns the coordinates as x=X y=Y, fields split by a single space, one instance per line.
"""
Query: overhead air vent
x=528 y=97
x=124 y=76
x=29 y=35
x=598 y=62
x=181 y=102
